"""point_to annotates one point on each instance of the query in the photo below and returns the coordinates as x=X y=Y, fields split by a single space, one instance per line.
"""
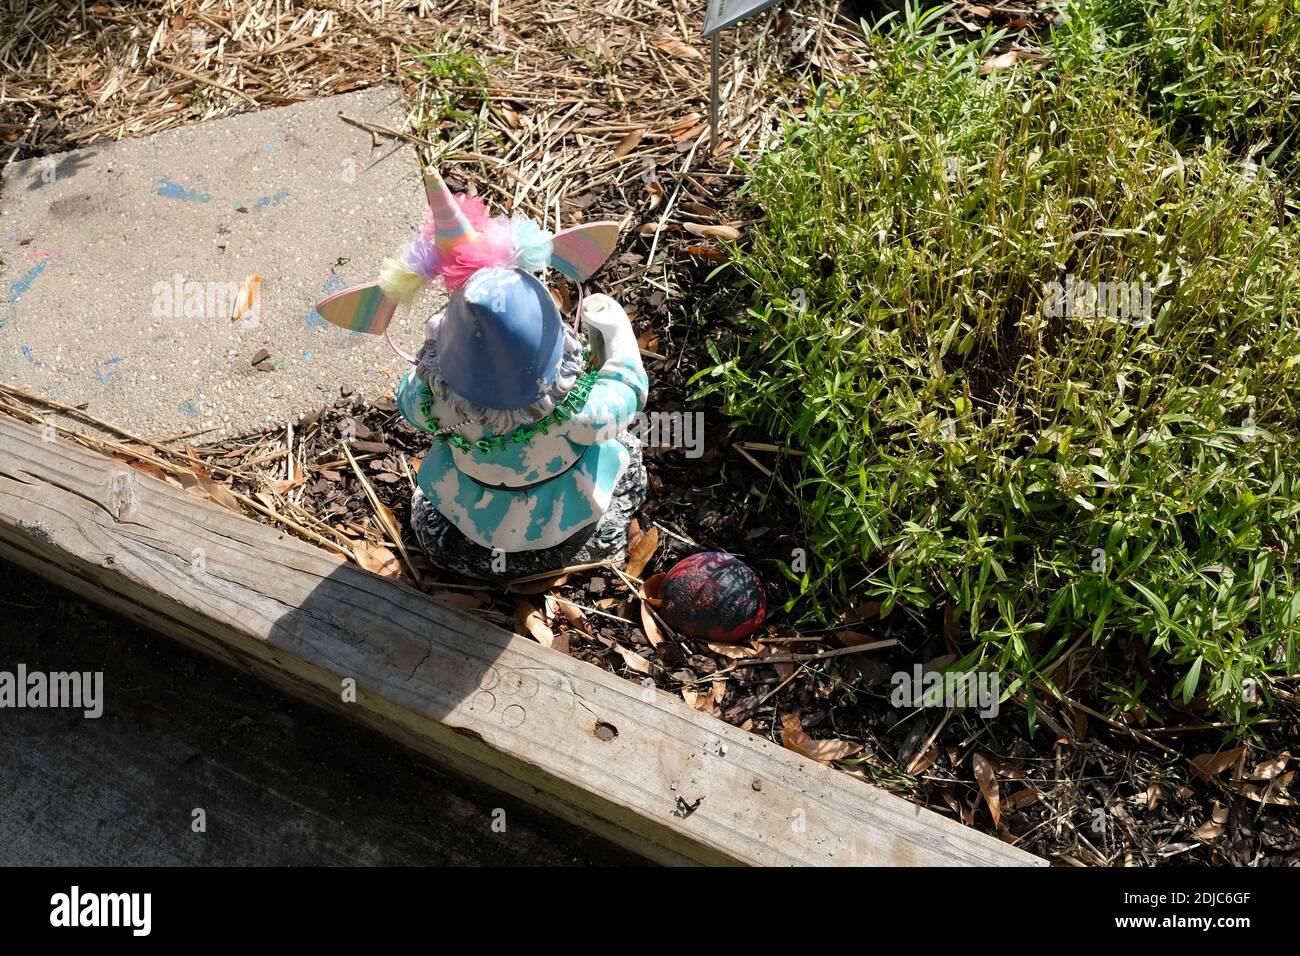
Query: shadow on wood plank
x=281 y=783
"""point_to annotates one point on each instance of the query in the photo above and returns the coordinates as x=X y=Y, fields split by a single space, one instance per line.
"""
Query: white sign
x=724 y=13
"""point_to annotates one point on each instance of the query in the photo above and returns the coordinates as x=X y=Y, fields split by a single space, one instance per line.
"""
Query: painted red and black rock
x=713 y=596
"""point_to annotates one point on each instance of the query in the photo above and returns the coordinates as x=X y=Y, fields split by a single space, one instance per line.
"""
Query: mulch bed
x=603 y=114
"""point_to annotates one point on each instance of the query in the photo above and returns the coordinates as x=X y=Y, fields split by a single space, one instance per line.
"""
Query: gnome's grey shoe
x=449 y=549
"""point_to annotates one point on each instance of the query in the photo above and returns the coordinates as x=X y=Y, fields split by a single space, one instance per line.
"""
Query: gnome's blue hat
x=501 y=339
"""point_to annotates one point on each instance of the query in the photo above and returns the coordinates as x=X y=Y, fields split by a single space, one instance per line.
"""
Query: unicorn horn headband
x=458 y=240
x=450 y=224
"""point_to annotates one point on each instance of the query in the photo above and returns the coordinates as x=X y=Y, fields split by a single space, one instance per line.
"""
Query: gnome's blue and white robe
x=536 y=494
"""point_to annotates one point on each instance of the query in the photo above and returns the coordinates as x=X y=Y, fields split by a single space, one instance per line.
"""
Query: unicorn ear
x=362 y=308
x=580 y=251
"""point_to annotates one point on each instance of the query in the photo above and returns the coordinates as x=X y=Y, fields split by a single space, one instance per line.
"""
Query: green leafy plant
x=1224 y=69
x=1048 y=470
x=445 y=76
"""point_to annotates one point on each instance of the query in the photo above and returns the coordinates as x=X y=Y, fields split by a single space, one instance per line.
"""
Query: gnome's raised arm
x=621 y=385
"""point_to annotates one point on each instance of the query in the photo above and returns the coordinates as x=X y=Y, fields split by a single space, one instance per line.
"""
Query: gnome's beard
x=499 y=420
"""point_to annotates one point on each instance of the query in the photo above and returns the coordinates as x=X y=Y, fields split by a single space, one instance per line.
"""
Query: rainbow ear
x=362 y=308
x=580 y=251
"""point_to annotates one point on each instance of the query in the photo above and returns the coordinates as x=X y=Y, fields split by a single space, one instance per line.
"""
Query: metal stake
x=713 y=92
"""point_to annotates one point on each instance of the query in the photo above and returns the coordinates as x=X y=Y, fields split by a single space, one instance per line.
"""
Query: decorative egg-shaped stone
x=713 y=596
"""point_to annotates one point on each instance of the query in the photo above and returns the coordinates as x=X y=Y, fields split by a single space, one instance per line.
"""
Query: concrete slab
x=122 y=261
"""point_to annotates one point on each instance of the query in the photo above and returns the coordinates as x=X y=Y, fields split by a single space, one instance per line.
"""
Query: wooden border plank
x=486 y=703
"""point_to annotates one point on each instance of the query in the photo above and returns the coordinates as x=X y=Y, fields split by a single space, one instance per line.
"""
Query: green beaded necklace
x=567 y=409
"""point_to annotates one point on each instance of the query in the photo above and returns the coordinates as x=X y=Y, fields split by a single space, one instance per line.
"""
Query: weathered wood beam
x=623 y=761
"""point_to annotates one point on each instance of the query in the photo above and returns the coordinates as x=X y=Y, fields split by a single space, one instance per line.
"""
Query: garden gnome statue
x=532 y=467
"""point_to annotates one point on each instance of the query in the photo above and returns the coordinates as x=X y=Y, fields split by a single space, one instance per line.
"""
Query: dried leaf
x=684 y=124
x=533 y=623
x=923 y=761
x=854 y=638
x=1003 y=61
x=218 y=493
x=377 y=559
x=634 y=660
x=650 y=625
x=628 y=143
x=466 y=601
x=575 y=616
x=1271 y=792
x=699 y=700
x=540 y=586
x=649 y=592
x=706 y=252
x=388 y=520
x=656 y=192
x=674 y=47
x=1021 y=798
x=823 y=751
x=683 y=140
x=719 y=689
x=1268 y=769
x=730 y=233
x=987 y=778
x=1214 y=827
x=1154 y=796
x=699 y=209
x=641 y=548
x=248 y=293
x=146 y=467
x=284 y=485
x=561 y=642
x=736 y=651
x=1079 y=721
x=1208 y=765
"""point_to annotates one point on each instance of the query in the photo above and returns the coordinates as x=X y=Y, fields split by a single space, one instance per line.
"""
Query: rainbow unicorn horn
x=451 y=228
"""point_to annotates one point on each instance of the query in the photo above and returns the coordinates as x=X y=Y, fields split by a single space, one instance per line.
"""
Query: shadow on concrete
x=65 y=168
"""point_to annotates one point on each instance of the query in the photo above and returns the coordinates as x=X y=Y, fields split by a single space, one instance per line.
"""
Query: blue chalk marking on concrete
x=32 y=359
x=264 y=202
x=174 y=190
x=109 y=364
x=24 y=282
x=274 y=199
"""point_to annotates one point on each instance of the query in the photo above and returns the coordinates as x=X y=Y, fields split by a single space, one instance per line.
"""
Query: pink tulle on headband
x=475 y=211
x=473 y=208
x=493 y=247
